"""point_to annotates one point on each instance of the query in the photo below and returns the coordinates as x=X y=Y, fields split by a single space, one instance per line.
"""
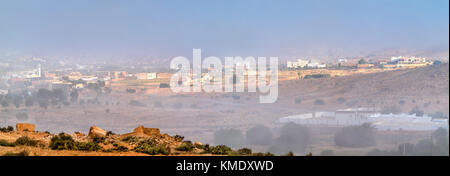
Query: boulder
x=25 y=127
x=96 y=132
x=198 y=143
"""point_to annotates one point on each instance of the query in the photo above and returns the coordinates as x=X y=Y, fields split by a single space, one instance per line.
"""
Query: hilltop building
x=304 y=64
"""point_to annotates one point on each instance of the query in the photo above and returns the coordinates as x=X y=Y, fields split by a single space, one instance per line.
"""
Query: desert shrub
x=6 y=143
x=137 y=103
x=221 y=150
x=6 y=129
x=416 y=110
x=26 y=141
x=206 y=148
x=199 y=146
x=351 y=103
x=87 y=146
x=244 y=151
x=22 y=153
x=110 y=133
x=356 y=136
x=327 y=153
x=263 y=154
x=425 y=147
x=289 y=154
x=150 y=147
x=99 y=140
x=231 y=137
x=341 y=100
x=131 y=139
x=293 y=137
x=62 y=142
x=179 y=137
x=439 y=115
x=131 y=91
x=164 y=85
x=186 y=146
x=298 y=101
x=259 y=135
x=121 y=149
x=390 y=110
x=319 y=102
x=317 y=76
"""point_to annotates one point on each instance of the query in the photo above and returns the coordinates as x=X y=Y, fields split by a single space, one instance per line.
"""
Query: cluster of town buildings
x=66 y=78
x=394 y=62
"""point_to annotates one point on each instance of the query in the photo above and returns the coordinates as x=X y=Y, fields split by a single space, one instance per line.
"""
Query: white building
x=358 y=116
x=304 y=64
x=3 y=92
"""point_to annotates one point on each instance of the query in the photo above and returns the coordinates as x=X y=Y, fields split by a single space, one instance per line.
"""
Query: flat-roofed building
x=146 y=76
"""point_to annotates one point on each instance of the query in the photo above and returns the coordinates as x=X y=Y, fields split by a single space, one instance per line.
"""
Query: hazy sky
x=169 y=28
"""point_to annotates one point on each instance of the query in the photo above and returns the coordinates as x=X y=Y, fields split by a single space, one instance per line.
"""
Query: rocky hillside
x=25 y=141
x=426 y=88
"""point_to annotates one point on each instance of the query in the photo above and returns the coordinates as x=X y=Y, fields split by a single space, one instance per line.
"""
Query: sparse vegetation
x=22 y=153
x=62 y=142
x=131 y=139
x=263 y=154
x=186 y=146
x=356 y=136
x=26 y=141
x=319 y=102
x=87 y=146
x=137 y=103
x=221 y=150
x=390 y=110
x=164 y=85
x=179 y=137
x=293 y=137
x=131 y=91
x=231 y=137
x=341 y=100
x=150 y=147
x=327 y=153
x=317 y=76
x=6 y=129
x=417 y=111
x=289 y=154
x=6 y=143
x=259 y=135
x=244 y=151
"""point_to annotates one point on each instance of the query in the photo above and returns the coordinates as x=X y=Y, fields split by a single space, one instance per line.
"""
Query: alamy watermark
x=208 y=75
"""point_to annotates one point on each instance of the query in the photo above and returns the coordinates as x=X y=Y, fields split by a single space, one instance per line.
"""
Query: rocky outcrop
x=141 y=131
x=96 y=132
x=147 y=131
x=25 y=127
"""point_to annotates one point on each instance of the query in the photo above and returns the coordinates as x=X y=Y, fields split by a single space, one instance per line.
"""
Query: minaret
x=39 y=70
